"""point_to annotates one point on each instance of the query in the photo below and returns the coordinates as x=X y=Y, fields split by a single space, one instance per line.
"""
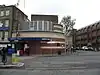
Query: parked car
x=90 y=49
x=85 y=48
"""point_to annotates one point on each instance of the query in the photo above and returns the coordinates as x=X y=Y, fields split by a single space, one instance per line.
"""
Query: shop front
x=34 y=44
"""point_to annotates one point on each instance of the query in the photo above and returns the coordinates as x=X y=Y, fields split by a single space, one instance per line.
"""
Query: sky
x=85 y=12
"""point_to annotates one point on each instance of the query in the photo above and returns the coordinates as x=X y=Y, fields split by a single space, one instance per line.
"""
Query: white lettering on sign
x=9 y=44
x=45 y=39
x=1 y=24
x=3 y=45
x=13 y=46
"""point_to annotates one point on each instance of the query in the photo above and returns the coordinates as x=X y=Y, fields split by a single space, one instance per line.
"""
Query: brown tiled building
x=43 y=35
x=12 y=19
x=89 y=35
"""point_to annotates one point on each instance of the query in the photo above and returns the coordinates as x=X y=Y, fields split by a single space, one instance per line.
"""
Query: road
x=80 y=63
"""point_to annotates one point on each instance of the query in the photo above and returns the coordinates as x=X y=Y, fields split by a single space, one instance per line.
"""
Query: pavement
x=16 y=65
x=79 y=63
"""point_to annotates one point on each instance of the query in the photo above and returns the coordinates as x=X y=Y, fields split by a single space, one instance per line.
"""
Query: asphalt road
x=80 y=63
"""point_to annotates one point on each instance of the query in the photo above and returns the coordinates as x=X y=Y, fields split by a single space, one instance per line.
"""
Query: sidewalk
x=9 y=63
x=18 y=65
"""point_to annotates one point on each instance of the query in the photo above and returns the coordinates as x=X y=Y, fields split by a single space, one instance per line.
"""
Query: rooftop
x=2 y=6
x=42 y=15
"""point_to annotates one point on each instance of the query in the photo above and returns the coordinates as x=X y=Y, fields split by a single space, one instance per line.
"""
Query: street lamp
x=1 y=26
x=72 y=24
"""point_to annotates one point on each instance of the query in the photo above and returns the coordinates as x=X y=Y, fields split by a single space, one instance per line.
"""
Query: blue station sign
x=24 y=39
x=4 y=28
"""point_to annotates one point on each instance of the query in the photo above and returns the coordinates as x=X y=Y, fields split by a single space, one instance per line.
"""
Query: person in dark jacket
x=27 y=51
x=4 y=55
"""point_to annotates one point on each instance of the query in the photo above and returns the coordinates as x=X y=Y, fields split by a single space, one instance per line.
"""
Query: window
x=2 y=13
x=35 y=25
x=1 y=24
x=6 y=23
x=97 y=23
x=7 y=12
x=6 y=34
x=0 y=34
x=40 y=25
x=45 y=25
x=58 y=44
x=50 y=26
x=31 y=25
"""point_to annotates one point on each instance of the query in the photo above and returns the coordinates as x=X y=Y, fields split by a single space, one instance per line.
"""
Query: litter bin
x=15 y=59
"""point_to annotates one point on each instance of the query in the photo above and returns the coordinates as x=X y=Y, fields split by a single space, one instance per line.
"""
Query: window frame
x=5 y=34
x=6 y=13
x=1 y=34
x=35 y=25
x=8 y=23
x=45 y=25
x=2 y=13
x=40 y=25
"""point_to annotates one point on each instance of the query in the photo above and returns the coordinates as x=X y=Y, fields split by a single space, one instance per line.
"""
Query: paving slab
x=12 y=65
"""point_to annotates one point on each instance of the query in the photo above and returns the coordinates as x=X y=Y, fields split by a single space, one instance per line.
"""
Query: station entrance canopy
x=25 y=39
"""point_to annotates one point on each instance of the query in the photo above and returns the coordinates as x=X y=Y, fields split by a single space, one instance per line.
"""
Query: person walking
x=3 y=52
x=27 y=51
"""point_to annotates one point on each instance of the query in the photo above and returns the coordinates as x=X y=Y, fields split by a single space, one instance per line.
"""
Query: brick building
x=89 y=35
x=11 y=19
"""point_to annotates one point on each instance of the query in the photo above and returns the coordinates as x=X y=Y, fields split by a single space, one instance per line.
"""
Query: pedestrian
x=4 y=55
x=59 y=52
x=95 y=49
x=27 y=51
x=71 y=50
x=66 y=50
x=20 y=52
x=1 y=51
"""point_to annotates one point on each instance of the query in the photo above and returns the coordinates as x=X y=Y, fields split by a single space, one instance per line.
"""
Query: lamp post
x=72 y=24
x=16 y=36
x=3 y=36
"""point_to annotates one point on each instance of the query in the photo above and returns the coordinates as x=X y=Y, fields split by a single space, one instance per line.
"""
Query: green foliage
x=67 y=24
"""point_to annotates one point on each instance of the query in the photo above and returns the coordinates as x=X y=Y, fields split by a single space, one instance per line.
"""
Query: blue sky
x=84 y=11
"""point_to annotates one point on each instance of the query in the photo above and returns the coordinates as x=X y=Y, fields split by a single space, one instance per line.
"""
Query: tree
x=67 y=27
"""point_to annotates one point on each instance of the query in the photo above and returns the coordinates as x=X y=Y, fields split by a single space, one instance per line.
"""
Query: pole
x=72 y=37
x=16 y=38
x=65 y=42
x=3 y=34
x=51 y=48
x=24 y=3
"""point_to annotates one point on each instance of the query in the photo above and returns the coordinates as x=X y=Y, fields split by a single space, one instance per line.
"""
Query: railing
x=42 y=26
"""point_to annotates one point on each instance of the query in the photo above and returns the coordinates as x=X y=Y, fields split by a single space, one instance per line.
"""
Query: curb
x=18 y=65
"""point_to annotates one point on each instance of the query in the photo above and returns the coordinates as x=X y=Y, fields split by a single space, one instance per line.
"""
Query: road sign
x=4 y=28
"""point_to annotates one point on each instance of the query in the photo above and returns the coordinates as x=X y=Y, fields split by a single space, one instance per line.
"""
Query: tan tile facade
x=42 y=46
